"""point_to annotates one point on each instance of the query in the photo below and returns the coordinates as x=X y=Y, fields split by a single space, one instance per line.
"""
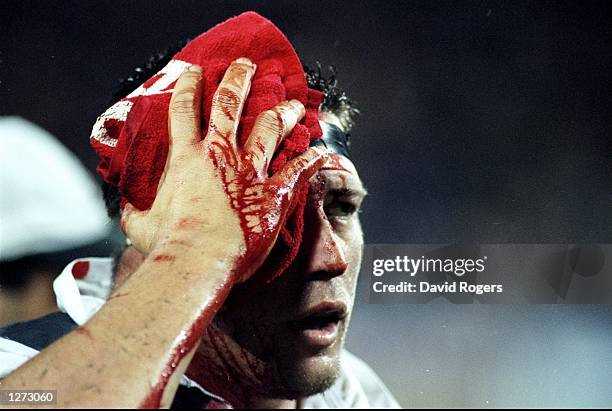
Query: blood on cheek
x=236 y=365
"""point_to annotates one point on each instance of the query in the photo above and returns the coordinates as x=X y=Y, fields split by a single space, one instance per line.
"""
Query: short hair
x=335 y=101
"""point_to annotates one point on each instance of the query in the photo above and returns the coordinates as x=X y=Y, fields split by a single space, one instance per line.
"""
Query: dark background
x=482 y=121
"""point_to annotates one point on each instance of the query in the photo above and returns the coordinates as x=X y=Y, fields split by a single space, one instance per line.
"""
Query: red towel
x=131 y=137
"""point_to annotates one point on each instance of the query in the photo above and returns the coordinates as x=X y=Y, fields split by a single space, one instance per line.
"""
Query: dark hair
x=335 y=101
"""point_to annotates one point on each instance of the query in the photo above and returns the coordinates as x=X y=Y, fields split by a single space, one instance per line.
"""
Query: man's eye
x=338 y=208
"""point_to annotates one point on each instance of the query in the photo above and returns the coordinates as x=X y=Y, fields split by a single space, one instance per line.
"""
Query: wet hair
x=335 y=101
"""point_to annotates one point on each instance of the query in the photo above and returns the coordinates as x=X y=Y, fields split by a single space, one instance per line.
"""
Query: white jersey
x=85 y=284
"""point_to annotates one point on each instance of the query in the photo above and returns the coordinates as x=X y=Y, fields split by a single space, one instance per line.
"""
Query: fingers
x=185 y=110
x=270 y=128
x=228 y=102
x=300 y=169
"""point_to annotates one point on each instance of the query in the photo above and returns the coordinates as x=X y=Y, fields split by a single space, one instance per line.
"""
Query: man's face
x=283 y=339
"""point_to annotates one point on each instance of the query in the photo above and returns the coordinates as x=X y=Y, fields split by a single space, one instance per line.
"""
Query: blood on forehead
x=338 y=162
x=337 y=173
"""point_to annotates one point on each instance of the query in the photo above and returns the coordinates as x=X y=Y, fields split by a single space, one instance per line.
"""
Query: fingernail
x=195 y=68
x=245 y=60
x=298 y=105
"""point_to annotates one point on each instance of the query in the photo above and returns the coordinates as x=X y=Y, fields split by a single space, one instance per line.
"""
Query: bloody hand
x=215 y=199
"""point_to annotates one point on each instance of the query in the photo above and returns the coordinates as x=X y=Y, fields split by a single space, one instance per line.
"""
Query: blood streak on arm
x=246 y=194
x=186 y=342
x=190 y=222
x=83 y=331
x=185 y=243
x=164 y=257
x=251 y=200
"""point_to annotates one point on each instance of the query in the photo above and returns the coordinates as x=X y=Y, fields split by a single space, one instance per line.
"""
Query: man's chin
x=309 y=370
x=308 y=376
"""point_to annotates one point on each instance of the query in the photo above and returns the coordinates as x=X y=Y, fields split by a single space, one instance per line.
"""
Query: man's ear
x=127 y=263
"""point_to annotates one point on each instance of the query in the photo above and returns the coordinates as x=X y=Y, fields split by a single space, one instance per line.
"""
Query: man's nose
x=327 y=259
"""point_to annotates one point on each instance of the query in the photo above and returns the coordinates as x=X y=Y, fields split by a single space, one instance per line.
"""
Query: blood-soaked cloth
x=131 y=137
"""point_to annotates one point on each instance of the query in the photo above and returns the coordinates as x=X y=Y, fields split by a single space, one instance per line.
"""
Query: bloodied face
x=283 y=339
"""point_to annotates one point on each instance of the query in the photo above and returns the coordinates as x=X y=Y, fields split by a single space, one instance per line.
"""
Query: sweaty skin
x=214 y=220
x=249 y=355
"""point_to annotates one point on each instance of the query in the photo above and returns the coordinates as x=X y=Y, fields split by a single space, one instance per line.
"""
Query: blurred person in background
x=50 y=212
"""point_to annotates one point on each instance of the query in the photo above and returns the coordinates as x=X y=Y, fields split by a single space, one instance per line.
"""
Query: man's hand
x=216 y=213
x=215 y=195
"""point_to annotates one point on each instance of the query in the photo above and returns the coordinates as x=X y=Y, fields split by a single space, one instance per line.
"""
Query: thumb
x=134 y=226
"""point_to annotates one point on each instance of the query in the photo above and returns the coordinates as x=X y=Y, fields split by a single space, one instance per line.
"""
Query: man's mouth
x=319 y=325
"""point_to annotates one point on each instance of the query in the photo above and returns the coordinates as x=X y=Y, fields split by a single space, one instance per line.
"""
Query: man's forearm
x=126 y=355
